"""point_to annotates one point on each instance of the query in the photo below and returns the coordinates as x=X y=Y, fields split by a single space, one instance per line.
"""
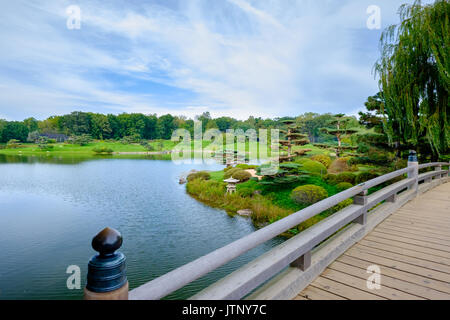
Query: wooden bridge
x=390 y=244
x=411 y=248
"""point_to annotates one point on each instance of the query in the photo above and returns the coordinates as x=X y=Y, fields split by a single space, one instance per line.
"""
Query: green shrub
x=343 y=186
x=323 y=159
x=81 y=140
x=341 y=205
x=231 y=172
x=346 y=177
x=134 y=138
x=363 y=148
x=399 y=164
x=103 y=150
x=308 y=194
x=245 y=166
x=242 y=175
x=147 y=145
x=339 y=165
x=365 y=176
x=228 y=168
x=45 y=147
x=13 y=144
x=331 y=179
x=314 y=167
x=245 y=192
x=202 y=175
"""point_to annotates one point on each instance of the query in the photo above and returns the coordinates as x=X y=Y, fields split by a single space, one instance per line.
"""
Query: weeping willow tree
x=414 y=76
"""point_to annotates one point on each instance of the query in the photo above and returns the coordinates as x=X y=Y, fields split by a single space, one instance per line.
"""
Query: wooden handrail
x=240 y=282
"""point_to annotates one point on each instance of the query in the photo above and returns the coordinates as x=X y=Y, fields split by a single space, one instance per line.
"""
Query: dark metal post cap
x=107 y=241
x=412 y=156
x=107 y=270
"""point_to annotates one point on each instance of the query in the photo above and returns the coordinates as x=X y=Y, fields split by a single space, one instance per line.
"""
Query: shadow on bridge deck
x=411 y=248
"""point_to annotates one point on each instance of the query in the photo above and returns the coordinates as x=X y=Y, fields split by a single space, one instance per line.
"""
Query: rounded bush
x=331 y=179
x=312 y=166
x=241 y=175
x=308 y=194
x=346 y=177
x=203 y=175
x=230 y=172
x=365 y=176
x=341 y=205
x=102 y=150
x=343 y=186
x=323 y=159
x=245 y=166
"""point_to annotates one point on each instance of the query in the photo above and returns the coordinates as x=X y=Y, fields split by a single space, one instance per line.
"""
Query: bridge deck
x=411 y=248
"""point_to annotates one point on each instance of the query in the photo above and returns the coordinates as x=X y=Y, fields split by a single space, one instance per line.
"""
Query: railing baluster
x=392 y=198
x=361 y=199
x=414 y=172
x=438 y=168
x=303 y=263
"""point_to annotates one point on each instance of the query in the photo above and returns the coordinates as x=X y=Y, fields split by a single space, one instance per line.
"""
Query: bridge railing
x=295 y=252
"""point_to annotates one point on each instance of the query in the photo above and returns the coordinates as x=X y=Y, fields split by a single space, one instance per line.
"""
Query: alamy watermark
x=374 y=19
x=74 y=280
x=74 y=17
x=374 y=280
x=230 y=147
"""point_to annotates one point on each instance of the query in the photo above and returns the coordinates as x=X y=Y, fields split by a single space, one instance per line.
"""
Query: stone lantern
x=231 y=185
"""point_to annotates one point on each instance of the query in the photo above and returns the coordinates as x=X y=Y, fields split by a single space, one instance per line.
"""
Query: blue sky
x=234 y=58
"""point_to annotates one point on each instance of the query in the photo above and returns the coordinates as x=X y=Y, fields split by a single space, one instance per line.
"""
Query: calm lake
x=50 y=208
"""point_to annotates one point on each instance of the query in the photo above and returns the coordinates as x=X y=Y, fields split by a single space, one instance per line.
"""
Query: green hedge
x=341 y=186
x=242 y=175
x=203 y=175
x=346 y=177
x=308 y=194
x=323 y=159
x=365 y=176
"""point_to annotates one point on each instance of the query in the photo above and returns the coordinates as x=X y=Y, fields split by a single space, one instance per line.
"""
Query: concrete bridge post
x=414 y=173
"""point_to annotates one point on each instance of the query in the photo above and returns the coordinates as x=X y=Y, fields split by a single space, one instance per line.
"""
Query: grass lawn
x=62 y=148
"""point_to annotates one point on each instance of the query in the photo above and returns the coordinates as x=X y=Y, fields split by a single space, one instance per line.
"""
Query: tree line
x=149 y=127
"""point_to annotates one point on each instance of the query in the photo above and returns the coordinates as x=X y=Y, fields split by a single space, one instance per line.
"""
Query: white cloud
x=231 y=57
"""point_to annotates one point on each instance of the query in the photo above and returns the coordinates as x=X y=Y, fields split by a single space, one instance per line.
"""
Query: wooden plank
x=420 y=207
x=412 y=248
x=402 y=258
x=399 y=274
x=405 y=245
x=414 y=225
x=440 y=223
x=361 y=284
x=438 y=213
x=391 y=282
x=386 y=234
x=432 y=234
x=427 y=217
x=412 y=234
x=314 y=293
x=425 y=272
x=407 y=252
x=344 y=290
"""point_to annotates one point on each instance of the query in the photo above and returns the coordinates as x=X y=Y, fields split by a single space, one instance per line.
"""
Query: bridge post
x=303 y=263
x=414 y=173
x=106 y=278
x=361 y=199
x=439 y=168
